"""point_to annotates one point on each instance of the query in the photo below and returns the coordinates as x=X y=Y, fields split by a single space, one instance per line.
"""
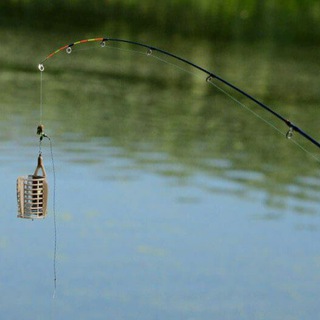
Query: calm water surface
x=172 y=201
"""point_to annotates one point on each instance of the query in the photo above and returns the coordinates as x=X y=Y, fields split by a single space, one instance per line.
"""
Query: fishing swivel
x=40 y=132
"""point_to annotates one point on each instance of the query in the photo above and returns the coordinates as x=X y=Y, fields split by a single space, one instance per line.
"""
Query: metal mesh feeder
x=32 y=194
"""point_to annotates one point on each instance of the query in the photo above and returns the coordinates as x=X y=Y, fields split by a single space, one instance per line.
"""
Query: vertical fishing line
x=54 y=213
x=54 y=222
x=42 y=135
x=41 y=95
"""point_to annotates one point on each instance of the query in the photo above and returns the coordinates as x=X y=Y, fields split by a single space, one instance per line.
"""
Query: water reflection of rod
x=210 y=76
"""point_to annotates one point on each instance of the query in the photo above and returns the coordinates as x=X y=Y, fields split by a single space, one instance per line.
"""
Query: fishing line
x=210 y=76
x=41 y=95
x=210 y=79
x=232 y=97
x=287 y=135
x=40 y=132
x=149 y=53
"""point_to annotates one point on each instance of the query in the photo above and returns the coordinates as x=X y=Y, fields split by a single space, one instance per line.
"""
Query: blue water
x=135 y=244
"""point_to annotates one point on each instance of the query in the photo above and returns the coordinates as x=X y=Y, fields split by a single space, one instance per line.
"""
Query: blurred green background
x=286 y=20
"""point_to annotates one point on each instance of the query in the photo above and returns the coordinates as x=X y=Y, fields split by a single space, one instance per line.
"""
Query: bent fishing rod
x=210 y=76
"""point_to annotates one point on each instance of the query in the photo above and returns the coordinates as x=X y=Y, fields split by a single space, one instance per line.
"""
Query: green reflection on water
x=171 y=121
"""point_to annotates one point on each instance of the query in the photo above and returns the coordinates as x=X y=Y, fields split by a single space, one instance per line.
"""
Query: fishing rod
x=210 y=76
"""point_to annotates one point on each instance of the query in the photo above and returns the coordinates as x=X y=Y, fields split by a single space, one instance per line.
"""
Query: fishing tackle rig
x=32 y=190
x=211 y=78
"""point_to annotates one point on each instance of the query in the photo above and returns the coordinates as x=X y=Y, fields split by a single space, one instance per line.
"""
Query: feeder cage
x=32 y=194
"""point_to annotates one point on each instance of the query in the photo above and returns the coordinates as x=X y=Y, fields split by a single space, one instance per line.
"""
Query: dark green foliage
x=287 y=20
